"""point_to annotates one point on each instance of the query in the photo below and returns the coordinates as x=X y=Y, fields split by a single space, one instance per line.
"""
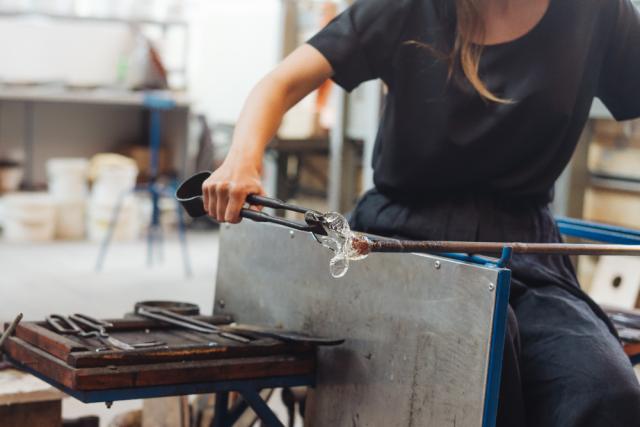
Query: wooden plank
x=192 y=372
x=20 y=387
x=41 y=414
x=40 y=335
x=177 y=354
x=147 y=375
x=182 y=344
x=612 y=207
x=51 y=342
x=39 y=360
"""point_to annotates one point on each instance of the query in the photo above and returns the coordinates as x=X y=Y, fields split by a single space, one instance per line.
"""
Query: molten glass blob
x=344 y=243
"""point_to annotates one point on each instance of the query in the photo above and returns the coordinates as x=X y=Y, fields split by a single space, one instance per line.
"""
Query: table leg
x=221 y=410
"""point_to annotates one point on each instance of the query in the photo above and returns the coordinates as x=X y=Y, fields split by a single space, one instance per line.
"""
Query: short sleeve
x=361 y=41
x=619 y=86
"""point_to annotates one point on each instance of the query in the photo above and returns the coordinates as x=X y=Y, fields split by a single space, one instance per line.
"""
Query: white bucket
x=29 y=217
x=70 y=219
x=113 y=181
x=10 y=177
x=68 y=178
x=100 y=214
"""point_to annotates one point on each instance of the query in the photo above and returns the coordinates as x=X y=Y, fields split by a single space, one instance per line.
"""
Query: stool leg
x=155 y=130
x=107 y=239
x=182 y=235
x=153 y=234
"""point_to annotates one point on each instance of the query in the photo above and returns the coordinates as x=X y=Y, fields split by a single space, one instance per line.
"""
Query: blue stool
x=155 y=103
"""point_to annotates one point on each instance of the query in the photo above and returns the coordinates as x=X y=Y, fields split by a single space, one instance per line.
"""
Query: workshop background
x=106 y=105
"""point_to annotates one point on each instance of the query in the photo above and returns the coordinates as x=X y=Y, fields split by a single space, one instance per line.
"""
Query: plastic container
x=29 y=217
x=70 y=219
x=68 y=178
x=100 y=214
x=113 y=181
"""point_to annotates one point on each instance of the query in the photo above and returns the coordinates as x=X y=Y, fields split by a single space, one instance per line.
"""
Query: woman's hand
x=226 y=190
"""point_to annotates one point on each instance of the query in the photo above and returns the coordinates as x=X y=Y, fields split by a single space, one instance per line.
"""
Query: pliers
x=69 y=325
x=189 y=194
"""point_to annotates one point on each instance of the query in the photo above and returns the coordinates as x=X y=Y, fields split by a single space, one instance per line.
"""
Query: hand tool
x=189 y=194
x=100 y=326
x=185 y=308
x=365 y=245
x=10 y=329
x=283 y=335
x=187 y=322
x=69 y=325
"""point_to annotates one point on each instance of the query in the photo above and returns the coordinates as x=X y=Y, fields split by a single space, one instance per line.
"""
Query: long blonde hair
x=465 y=54
x=470 y=27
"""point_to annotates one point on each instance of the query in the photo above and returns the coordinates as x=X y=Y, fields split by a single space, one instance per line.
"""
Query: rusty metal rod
x=10 y=329
x=390 y=245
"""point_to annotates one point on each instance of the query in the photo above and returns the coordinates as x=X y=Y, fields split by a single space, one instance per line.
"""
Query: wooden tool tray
x=188 y=357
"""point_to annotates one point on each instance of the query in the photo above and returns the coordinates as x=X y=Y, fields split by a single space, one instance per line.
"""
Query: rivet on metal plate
x=437 y=265
x=492 y=287
x=292 y=234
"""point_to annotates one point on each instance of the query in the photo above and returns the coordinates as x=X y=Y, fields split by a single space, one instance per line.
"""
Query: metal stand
x=156 y=105
x=225 y=417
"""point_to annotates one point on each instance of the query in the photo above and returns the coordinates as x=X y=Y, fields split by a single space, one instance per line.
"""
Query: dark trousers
x=563 y=367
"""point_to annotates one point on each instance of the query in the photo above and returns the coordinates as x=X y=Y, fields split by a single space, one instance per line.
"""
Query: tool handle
x=263 y=217
x=62 y=324
x=90 y=322
x=268 y=202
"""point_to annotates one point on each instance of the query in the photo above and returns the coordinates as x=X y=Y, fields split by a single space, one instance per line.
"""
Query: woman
x=486 y=102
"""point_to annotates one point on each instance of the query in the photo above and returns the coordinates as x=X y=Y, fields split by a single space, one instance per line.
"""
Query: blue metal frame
x=248 y=389
x=114 y=395
x=501 y=262
x=496 y=350
x=598 y=232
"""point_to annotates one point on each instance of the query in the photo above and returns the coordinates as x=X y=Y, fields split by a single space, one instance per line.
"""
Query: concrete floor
x=38 y=279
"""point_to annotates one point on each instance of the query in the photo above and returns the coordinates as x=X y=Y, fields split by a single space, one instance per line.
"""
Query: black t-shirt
x=437 y=135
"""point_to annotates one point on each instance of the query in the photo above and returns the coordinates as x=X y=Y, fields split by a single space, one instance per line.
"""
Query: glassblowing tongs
x=189 y=194
x=313 y=219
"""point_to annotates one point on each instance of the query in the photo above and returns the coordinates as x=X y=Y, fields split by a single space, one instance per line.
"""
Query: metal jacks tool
x=189 y=194
x=70 y=325
x=187 y=322
x=488 y=248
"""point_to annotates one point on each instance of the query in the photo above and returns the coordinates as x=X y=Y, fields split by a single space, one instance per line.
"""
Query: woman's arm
x=240 y=174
